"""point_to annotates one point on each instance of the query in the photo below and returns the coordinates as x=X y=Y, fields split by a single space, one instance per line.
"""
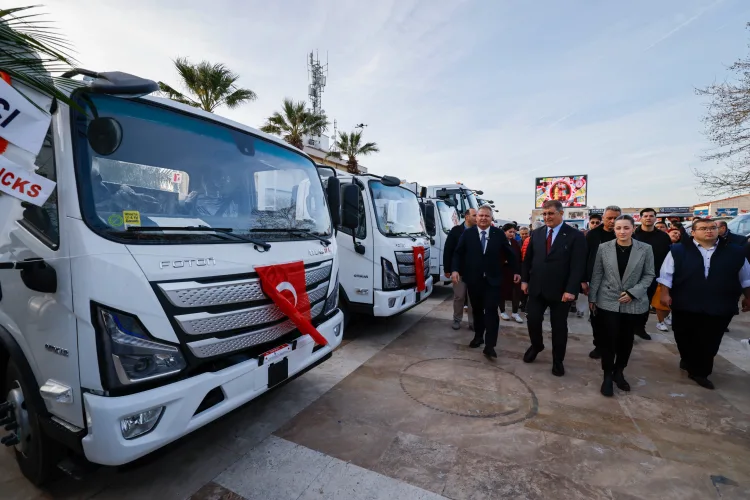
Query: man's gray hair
x=613 y=208
x=537 y=224
x=486 y=206
x=555 y=204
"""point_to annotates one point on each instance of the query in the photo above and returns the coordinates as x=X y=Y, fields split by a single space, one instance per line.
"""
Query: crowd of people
x=616 y=270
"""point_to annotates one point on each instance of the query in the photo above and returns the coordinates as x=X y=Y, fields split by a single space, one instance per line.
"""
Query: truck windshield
x=463 y=200
x=396 y=210
x=172 y=169
x=448 y=216
x=740 y=225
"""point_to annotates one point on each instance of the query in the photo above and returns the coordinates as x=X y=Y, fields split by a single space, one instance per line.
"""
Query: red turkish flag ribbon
x=419 y=267
x=285 y=285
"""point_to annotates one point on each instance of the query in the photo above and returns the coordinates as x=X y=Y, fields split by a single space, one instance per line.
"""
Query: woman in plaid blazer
x=623 y=271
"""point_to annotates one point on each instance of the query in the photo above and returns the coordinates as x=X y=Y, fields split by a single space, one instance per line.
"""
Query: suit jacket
x=561 y=271
x=475 y=266
x=606 y=285
x=451 y=242
x=735 y=239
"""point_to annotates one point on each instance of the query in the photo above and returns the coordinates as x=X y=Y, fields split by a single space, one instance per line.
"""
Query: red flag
x=285 y=285
x=419 y=267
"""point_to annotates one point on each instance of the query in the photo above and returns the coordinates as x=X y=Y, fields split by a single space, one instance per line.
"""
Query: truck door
x=356 y=269
x=46 y=321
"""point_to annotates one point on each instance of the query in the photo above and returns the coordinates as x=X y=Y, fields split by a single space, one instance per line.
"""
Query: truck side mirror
x=429 y=219
x=350 y=207
x=333 y=193
x=423 y=192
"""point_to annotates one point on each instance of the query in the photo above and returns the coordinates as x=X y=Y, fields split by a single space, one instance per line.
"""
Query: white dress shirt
x=555 y=231
x=486 y=237
x=667 y=268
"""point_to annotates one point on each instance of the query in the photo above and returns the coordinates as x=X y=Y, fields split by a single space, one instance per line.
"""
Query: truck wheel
x=37 y=455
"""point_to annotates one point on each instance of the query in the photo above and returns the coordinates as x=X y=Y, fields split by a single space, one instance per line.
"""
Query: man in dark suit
x=478 y=262
x=460 y=295
x=553 y=274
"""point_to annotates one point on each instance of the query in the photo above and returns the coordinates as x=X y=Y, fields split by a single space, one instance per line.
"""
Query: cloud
x=490 y=93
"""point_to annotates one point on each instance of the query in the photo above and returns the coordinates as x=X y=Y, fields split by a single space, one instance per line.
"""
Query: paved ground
x=406 y=410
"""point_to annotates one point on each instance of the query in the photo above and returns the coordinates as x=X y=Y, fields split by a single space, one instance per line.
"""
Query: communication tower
x=317 y=74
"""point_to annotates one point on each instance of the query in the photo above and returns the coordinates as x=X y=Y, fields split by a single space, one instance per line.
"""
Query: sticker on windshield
x=131 y=217
x=115 y=220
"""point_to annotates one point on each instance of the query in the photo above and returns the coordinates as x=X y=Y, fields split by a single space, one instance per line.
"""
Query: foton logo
x=177 y=264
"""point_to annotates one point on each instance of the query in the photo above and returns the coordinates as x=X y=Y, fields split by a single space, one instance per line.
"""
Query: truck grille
x=406 y=269
x=232 y=313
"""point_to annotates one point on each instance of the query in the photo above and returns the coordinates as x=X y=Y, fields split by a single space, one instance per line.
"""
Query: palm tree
x=348 y=144
x=212 y=85
x=294 y=122
x=31 y=50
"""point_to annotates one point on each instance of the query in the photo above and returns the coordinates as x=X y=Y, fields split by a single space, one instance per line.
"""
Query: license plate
x=275 y=353
x=278 y=372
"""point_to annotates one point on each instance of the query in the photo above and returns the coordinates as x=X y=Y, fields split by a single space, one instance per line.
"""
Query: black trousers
x=640 y=325
x=558 y=311
x=615 y=341
x=485 y=299
x=515 y=301
x=698 y=338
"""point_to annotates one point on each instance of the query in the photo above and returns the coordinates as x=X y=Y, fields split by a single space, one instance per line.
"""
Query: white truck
x=379 y=260
x=166 y=281
x=443 y=206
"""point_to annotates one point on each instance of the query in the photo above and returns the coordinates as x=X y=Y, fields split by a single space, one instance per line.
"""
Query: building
x=319 y=147
x=731 y=206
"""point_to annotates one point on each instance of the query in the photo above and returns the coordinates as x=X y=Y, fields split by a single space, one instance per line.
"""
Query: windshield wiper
x=223 y=230
x=298 y=232
x=408 y=235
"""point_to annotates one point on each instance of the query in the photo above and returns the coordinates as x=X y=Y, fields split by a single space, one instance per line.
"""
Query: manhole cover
x=469 y=388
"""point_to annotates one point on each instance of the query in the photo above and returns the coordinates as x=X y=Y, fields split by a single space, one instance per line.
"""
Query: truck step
x=77 y=467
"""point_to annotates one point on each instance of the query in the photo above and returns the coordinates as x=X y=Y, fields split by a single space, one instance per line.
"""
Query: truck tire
x=37 y=455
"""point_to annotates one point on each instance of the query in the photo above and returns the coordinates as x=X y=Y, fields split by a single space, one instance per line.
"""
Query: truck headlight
x=130 y=355
x=332 y=302
x=391 y=281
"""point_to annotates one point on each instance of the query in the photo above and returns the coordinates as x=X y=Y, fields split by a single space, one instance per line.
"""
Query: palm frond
x=211 y=84
x=173 y=94
x=238 y=97
x=32 y=51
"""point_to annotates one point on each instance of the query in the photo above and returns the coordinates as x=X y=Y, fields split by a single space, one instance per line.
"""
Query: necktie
x=549 y=240
x=484 y=241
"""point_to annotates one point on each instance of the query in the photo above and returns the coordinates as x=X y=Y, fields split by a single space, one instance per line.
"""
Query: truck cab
x=132 y=306
x=444 y=206
x=379 y=275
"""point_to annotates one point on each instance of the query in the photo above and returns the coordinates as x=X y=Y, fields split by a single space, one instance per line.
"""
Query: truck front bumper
x=398 y=301
x=104 y=444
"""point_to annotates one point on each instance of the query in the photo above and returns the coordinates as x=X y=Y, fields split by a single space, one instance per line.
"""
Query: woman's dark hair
x=509 y=225
x=626 y=217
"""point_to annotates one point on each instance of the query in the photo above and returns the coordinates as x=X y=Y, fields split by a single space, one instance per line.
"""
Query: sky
x=489 y=93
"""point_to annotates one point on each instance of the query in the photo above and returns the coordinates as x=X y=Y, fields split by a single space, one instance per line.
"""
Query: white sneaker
x=662 y=327
x=505 y=316
x=668 y=320
x=517 y=318
x=746 y=344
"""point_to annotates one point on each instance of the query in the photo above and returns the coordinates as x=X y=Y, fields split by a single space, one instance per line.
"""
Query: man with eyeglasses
x=552 y=275
x=702 y=283
x=595 y=220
